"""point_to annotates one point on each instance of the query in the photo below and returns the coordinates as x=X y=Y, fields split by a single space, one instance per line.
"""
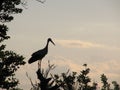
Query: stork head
x=50 y=40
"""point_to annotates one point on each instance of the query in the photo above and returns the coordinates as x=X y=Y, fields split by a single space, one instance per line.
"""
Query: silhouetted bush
x=70 y=81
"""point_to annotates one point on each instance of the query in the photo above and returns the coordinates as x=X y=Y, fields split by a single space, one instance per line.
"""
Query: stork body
x=38 y=55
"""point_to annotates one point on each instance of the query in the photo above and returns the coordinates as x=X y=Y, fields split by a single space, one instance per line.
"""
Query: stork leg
x=39 y=65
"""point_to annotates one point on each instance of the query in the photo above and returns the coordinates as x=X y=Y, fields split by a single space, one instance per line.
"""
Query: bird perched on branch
x=40 y=54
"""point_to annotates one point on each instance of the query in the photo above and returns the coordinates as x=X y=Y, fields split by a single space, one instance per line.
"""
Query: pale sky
x=84 y=31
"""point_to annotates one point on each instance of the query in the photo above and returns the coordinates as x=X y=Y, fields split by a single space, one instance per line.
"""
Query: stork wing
x=39 y=53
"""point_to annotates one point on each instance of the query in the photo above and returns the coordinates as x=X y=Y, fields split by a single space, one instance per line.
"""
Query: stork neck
x=47 y=44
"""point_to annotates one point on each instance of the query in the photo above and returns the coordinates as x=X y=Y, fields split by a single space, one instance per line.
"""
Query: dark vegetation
x=70 y=81
x=10 y=62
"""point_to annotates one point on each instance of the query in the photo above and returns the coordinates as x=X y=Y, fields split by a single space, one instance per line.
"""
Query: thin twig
x=30 y=79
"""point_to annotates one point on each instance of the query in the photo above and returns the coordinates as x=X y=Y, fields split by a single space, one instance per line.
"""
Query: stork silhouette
x=40 y=54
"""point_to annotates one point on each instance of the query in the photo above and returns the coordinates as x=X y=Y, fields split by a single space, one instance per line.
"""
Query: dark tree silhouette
x=84 y=79
x=116 y=85
x=45 y=82
x=106 y=85
x=9 y=60
x=74 y=80
x=69 y=81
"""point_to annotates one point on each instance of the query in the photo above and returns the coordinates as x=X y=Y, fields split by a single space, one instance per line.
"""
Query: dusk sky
x=84 y=31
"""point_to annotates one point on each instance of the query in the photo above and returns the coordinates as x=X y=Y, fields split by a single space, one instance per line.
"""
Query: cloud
x=65 y=62
x=83 y=44
x=110 y=68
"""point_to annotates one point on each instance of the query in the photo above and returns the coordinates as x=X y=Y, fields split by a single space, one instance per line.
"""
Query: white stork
x=40 y=54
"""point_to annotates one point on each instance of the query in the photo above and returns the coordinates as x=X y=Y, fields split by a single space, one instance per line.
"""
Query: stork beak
x=52 y=42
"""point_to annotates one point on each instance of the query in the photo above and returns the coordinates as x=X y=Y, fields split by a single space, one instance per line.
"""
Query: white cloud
x=83 y=44
x=65 y=62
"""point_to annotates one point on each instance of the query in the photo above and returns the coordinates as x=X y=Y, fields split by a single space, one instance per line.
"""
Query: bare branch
x=30 y=80
x=50 y=67
x=24 y=3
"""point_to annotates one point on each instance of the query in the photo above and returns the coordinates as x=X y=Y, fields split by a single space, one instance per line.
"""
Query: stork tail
x=31 y=60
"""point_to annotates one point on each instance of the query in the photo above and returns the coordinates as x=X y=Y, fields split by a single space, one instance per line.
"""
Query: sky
x=84 y=31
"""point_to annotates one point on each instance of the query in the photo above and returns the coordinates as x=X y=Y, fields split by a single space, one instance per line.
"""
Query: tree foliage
x=116 y=85
x=9 y=60
x=70 y=81
x=106 y=85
